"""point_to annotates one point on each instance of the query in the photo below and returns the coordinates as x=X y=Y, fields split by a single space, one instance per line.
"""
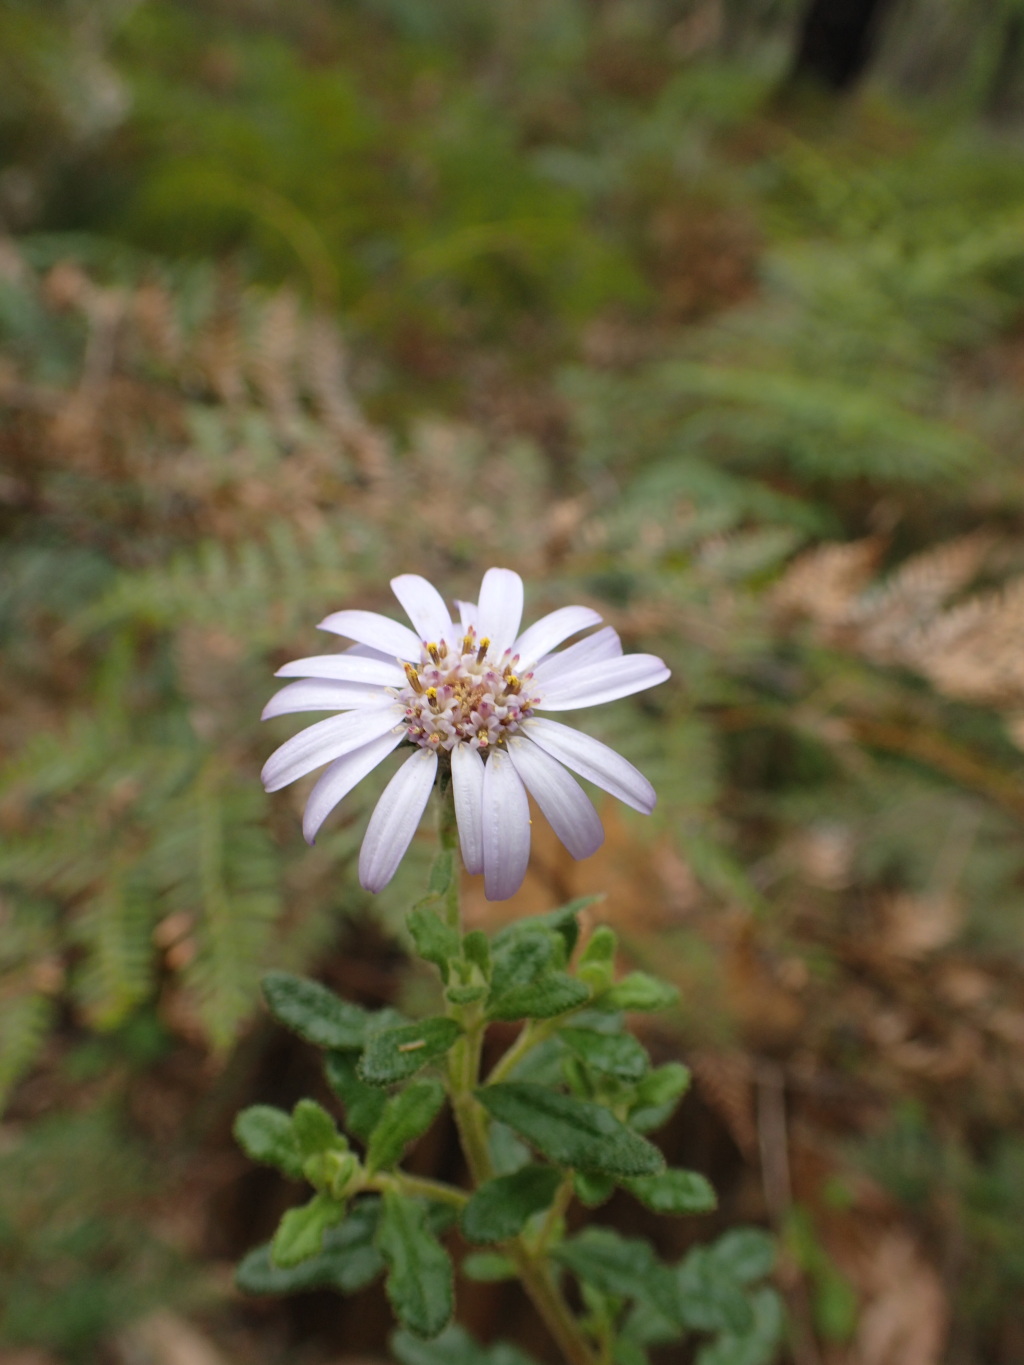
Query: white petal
x=467 y=614
x=365 y=652
x=605 y=681
x=549 y=632
x=500 y=609
x=326 y=740
x=395 y=819
x=603 y=644
x=594 y=761
x=506 y=828
x=425 y=608
x=468 y=785
x=315 y=694
x=391 y=638
x=340 y=777
x=566 y=805
x=345 y=668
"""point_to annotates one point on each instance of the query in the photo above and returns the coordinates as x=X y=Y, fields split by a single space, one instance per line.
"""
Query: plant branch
x=471 y=1120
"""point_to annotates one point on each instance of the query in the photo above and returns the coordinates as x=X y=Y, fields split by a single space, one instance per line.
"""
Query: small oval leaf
x=500 y=1208
x=419 y=1282
x=570 y=1131
x=314 y=1012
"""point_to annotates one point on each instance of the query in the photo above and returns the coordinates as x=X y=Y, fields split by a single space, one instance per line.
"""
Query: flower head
x=467 y=694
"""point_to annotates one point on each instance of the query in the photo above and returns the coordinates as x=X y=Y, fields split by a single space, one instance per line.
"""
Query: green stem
x=448 y=832
x=470 y=1116
x=557 y=1211
x=419 y=1186
x=472 y=1121
x=549 y=1302
x=530 y=1035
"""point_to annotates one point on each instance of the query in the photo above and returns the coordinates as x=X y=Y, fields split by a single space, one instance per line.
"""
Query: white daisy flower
x=469 y=694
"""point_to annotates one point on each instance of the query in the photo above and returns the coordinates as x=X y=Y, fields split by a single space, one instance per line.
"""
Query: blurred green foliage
x=618 y=319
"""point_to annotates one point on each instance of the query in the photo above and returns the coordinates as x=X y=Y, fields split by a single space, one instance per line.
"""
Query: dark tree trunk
x=1004 y=91
x=836 y=41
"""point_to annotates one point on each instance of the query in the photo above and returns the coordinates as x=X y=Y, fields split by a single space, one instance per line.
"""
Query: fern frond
x=825 y=428
x=114 y=927
x=26 y=1018
x=269 y=585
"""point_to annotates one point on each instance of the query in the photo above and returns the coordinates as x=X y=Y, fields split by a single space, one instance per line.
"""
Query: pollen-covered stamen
x=463 y=697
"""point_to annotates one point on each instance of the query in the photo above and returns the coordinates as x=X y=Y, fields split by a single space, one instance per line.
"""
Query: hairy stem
x=448 y=833
x=530 y=1035
x=472 y=1122
x=549 y=1302
x=419 y=1186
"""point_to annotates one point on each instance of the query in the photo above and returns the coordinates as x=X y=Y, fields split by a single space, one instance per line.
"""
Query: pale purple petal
x=603 y=644
x=594 y=761
x=565 y=804
x=345 y=668
x=340 y=777
x=605 y=681
x=425 y=608
x=318 y=694
x=468 y=786
x=549 y=632
x=506 y=828
x=326 y=740
x=467 y=614
x=389 y=637
x=500 y=608
x=395 y=819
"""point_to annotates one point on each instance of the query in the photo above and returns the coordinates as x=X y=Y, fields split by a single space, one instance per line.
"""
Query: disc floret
x=464 y=695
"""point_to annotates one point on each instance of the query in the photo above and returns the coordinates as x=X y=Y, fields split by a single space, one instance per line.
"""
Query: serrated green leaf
x=434 y=940
x=405 y=1117
x=674 y=1192
x=646 y=1326
x=500 y=1208
x=759 y=1345
x=488 y=1267
x=508 y=1153
x=550 y=995
x=601 y=946
x=628 y=1352
x=747 y=1254
x=441 y=873
x=593 y=1190
x=419 y=1282
x=522 y=957
x=657 y=1095
x=314 y=1012
x=562 y=921
x=266 y=1135
x=613 y=1054
x=625 y=1267
x=709 y=1299
x=394 y=1054
x=638 y=991
x=300 y=1234
x=597 y=961
x=454 y=1347
x=465 y=995
x=571 y=1132
x=347 y=1262
x=363 y=1103
x=476 y=948
x=333 y=1172
x=315 y=1131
